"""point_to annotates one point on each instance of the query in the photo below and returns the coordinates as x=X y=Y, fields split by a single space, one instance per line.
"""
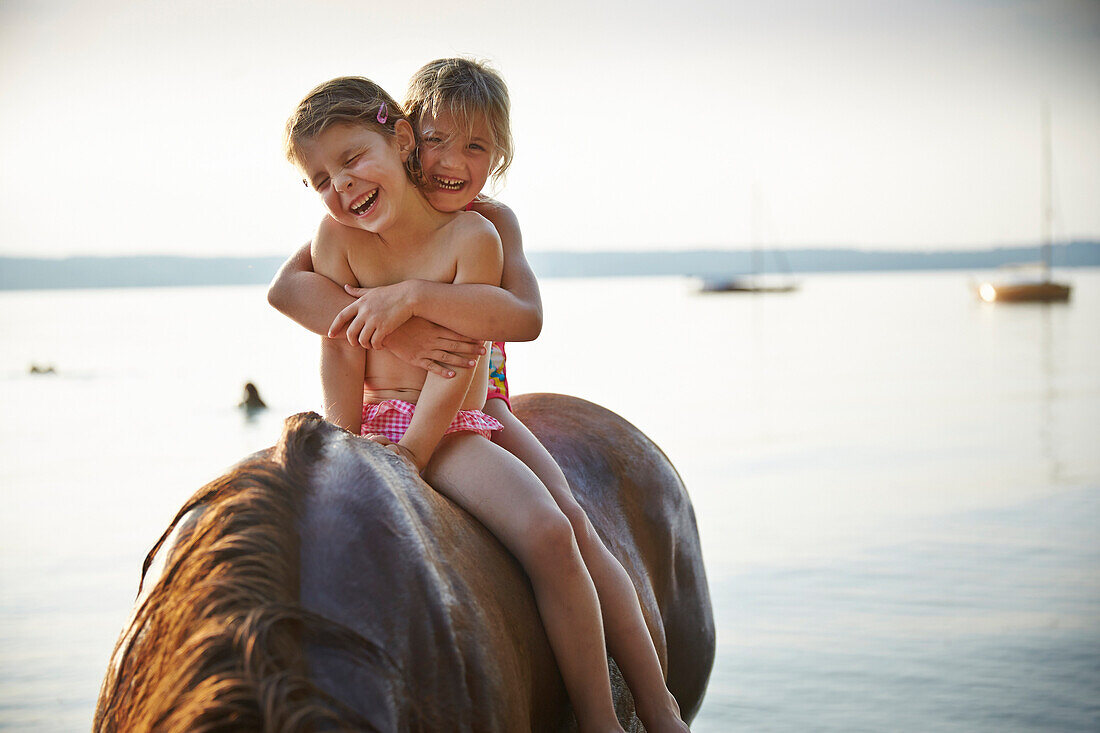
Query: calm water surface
x=897 y=487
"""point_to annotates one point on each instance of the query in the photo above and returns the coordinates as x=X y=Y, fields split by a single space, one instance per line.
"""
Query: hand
x=432 y=347
x=373 y=316
x=397 y=449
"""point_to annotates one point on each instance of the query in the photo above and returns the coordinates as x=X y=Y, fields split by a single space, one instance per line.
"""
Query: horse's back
x=458 y=610
x=392 y=601
x=402 y=566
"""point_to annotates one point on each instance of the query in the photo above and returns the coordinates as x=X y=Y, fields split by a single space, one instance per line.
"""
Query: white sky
x=141 y=127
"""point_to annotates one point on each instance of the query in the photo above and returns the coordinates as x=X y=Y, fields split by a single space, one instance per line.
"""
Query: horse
x=320 y=584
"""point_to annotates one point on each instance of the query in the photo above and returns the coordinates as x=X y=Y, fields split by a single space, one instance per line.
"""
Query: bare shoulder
x=475 y=245
x=337 y=249
x=331 y=236
x=327 y=242
x=471 y=230
x=500 y=215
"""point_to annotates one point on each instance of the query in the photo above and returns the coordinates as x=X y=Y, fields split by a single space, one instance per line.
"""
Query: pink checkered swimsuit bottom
x=393 y=417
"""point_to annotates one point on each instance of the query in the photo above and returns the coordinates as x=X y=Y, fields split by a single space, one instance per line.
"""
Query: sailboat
x=756 y=282
x=747 y=284
x=1032 y=283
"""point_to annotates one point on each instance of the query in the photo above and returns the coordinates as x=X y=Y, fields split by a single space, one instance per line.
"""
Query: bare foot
x=662 y=718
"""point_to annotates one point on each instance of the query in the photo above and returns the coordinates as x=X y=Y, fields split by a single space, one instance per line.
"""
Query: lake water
x=897 y=486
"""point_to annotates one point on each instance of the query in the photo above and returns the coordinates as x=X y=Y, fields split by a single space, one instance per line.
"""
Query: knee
x=550 y=539
x=582 y=527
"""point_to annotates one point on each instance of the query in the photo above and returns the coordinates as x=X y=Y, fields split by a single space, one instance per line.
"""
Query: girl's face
x=359 y=173
x=456 y=161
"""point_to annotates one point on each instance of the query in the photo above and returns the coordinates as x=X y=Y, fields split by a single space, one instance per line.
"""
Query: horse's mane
x=218 y=643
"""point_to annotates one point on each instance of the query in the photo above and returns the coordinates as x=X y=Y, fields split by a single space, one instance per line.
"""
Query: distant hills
x=735 y=262
x=17 y=273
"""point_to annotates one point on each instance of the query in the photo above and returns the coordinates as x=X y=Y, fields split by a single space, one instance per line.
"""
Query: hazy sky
x=154 y=127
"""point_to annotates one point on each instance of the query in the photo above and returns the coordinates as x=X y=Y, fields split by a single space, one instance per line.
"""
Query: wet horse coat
x=375 y=603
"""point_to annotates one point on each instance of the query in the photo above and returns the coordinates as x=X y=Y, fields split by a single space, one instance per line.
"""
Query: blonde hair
x=464 y=88
x=345 y=100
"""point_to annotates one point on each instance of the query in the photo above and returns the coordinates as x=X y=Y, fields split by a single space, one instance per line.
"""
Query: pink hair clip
x=382 y=116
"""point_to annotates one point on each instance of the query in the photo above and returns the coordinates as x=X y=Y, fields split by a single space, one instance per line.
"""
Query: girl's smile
x=365 y=204
x=449 y=184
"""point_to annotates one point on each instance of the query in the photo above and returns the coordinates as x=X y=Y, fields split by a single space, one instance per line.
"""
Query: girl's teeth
x=366 y=203
x=452 y=184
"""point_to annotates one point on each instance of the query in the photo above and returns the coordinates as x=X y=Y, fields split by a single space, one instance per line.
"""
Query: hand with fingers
x=397 y=449
x=433 y=348
x=374 y=315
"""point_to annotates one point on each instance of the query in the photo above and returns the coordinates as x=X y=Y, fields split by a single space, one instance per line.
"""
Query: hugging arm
x=313 y=301
x=510 y=312
x=304 y=296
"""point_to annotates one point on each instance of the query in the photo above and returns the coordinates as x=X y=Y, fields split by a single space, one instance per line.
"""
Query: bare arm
x=479 y=262
x=511 y=312
x=522 y=307
x=342 y=368
x=307 y=298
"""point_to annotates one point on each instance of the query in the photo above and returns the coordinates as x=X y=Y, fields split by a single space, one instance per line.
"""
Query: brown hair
x=347 y=100
x=464 y=88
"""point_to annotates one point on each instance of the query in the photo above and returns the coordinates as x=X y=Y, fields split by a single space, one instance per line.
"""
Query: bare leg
x=512 y=503
x=628 y=637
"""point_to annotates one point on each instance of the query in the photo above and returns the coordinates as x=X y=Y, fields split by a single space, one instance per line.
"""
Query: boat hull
x=736 y=285
x=1044 y=292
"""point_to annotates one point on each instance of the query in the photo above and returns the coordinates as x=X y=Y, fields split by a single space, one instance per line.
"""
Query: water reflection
x=1047 y=424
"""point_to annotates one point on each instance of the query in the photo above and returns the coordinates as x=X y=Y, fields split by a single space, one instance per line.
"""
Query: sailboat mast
x=755 y=227
x=1047 y=206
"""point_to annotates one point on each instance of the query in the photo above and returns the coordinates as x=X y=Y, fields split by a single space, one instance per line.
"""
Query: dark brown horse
x=322 y=585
